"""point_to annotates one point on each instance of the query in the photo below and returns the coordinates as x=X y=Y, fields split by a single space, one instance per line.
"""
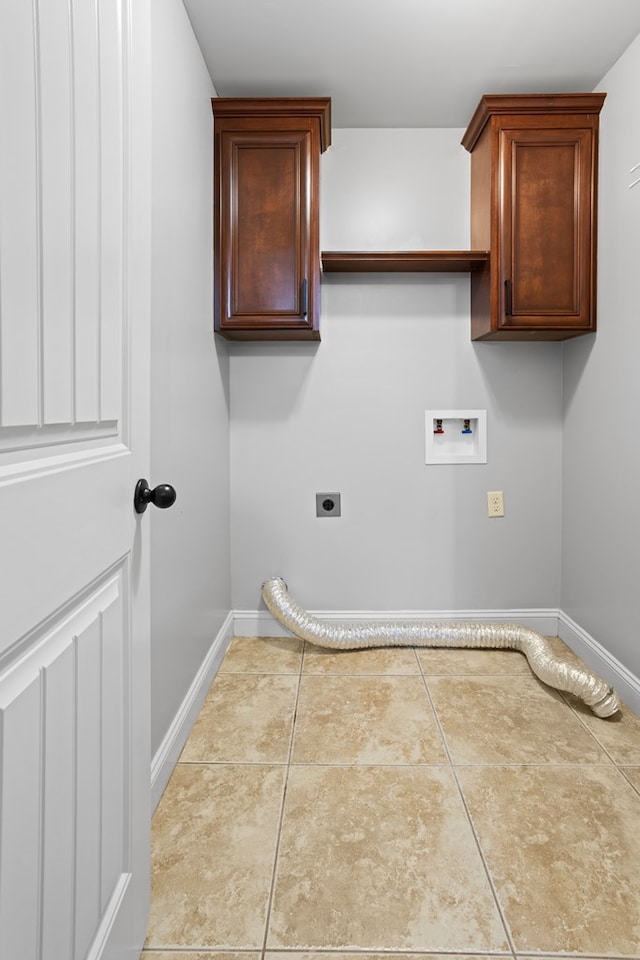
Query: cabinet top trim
x=318 y=107
x=494 y=104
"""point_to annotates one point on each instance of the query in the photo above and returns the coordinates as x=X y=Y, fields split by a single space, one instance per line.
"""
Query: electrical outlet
x=328 y=505
x=495 y=503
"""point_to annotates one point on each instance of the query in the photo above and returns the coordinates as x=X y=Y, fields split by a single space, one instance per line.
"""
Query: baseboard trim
x=175 y=738
x=625 y=683
x=260 y=623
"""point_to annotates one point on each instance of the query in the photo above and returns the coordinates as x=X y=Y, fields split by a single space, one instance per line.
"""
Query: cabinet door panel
x=267 y=276
x=265 y=204
x=547 y=242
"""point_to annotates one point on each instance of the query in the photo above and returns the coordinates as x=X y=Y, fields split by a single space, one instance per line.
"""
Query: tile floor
x=396 y=802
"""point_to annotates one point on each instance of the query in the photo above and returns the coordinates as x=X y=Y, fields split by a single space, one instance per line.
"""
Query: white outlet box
x=455 y=436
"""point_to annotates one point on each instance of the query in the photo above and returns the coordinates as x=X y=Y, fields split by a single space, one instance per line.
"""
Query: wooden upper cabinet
x=266 y=216
x=533 y=206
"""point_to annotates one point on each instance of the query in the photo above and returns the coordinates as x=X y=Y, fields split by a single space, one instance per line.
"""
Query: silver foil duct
x=547 y=666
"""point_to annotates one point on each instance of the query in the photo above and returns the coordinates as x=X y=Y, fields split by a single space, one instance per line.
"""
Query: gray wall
x=348 y=415
x=601 y=463
x=190 y=377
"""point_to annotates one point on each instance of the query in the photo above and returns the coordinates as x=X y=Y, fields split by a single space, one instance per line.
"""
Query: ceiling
x=409 y=63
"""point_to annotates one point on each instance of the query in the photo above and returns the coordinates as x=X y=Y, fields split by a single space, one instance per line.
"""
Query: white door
x=74 y=383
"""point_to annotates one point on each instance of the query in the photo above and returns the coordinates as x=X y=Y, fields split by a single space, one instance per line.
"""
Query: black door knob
x=162 y=496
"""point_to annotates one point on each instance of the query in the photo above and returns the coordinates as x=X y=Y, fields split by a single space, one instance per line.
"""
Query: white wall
x=348 y=415
x=601 y=520
x=190 y=376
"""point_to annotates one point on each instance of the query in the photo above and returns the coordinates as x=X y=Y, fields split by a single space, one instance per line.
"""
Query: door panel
x=61 y=244
x=65 y=764
x=74 y=381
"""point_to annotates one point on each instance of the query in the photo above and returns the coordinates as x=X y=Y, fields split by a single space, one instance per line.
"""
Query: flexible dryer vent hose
x=551 y=669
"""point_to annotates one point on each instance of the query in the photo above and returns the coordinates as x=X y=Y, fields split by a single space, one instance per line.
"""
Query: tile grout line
x=621 y=770
x=454 y=774
x=267 y=924
x=619 y=767
x=585 y=725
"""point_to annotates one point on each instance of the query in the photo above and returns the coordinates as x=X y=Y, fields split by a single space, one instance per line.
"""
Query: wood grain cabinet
x=266 y=216
x=533 y=206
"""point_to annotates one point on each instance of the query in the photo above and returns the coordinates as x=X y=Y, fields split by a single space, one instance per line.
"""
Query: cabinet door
x=547 y=240
x=266 y=278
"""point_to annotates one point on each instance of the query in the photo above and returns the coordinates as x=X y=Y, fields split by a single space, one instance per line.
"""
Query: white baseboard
x=260 y=623
x=625 y=683
x=170 y=749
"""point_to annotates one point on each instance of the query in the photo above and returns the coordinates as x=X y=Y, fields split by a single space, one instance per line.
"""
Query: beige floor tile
x=245 y=718
x=562 y=649
x=510 y=720
x=365 y=720
x=562 y=844
x=380 y=660
x=337 y=955
x=619 y=735
x=214 y=839
x=379 y=858
x=469 y=662
x=263 y=655
x=460 y=662
x=633 y=776
x=181 y=955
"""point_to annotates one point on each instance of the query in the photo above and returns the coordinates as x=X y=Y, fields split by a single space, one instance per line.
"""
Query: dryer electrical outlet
x=328 y=505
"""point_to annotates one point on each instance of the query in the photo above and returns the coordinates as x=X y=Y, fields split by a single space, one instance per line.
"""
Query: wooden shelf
x=403 y=261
